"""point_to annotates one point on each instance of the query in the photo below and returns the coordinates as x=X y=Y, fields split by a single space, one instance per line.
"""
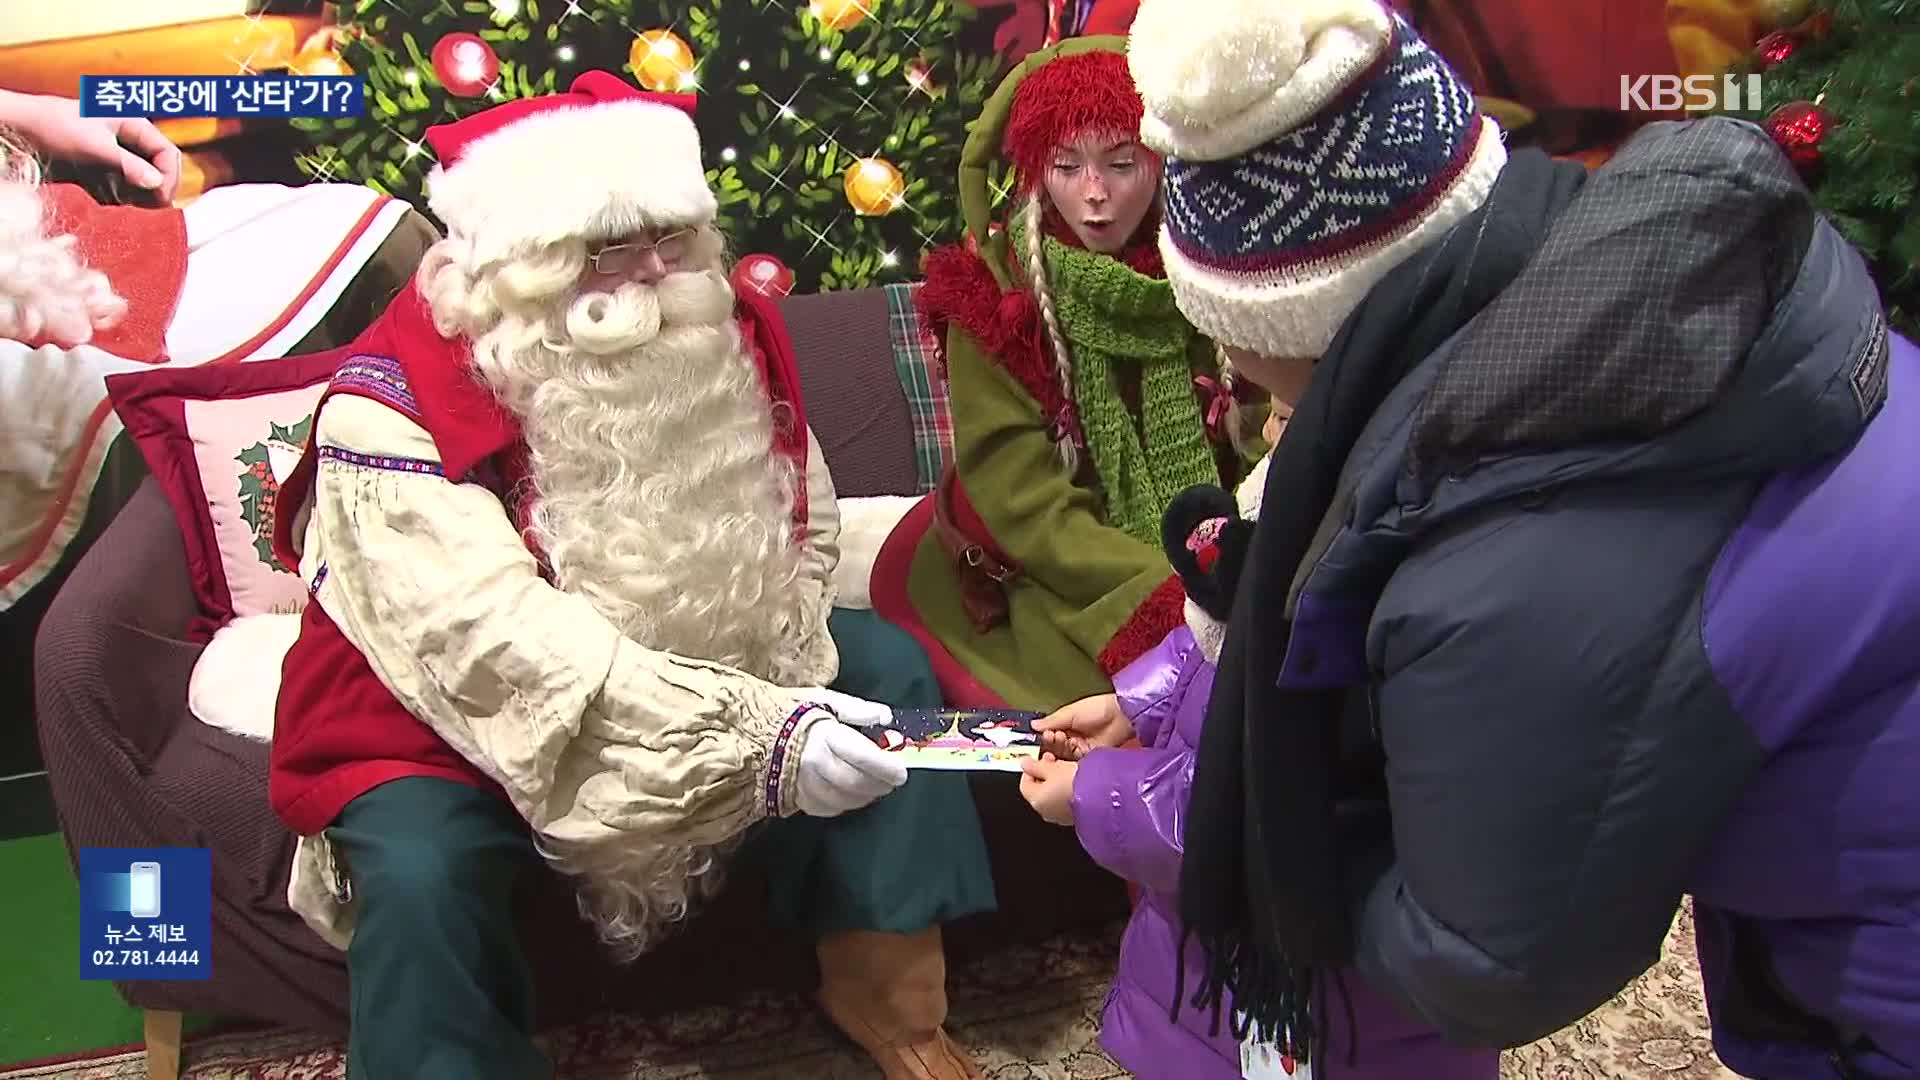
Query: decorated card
x=974 y=740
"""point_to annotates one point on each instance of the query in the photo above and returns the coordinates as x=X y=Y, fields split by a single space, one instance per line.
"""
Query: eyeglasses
x=625 y=258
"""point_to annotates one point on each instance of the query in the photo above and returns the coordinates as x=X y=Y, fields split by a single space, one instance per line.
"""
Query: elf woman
x=1082 y=400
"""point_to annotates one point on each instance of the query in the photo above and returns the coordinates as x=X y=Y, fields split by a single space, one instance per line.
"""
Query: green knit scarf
x=1115 y=318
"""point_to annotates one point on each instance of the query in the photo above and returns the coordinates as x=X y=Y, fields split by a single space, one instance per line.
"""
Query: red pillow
x=219 y=438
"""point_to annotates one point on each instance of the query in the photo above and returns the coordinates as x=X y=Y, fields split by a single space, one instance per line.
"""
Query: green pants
x=440 y=985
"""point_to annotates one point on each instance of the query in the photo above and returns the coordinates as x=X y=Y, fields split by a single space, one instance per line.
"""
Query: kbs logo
x=1694 y=93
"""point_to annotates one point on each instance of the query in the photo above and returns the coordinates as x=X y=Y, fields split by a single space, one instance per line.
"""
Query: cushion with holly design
x=219 y=439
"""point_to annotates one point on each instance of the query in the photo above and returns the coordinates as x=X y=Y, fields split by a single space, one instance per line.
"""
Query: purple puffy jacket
x=1129 y=807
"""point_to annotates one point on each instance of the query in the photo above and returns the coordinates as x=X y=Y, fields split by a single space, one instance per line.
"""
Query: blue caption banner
x=146 y=913
x=163 y=96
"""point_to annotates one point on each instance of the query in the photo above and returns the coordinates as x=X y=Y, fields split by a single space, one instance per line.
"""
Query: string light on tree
x=465 y=64
x=661 y=61
x=840 y=14
x=875 y=187
x=320 y=60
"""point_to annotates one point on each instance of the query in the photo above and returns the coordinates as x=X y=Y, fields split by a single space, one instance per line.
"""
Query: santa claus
x=570 y=543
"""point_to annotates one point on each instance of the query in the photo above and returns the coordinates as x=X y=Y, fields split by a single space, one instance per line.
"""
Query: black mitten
x=1206 y=540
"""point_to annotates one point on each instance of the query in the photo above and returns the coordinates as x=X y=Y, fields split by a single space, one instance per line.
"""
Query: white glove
x=850 y=710
x=841 y=770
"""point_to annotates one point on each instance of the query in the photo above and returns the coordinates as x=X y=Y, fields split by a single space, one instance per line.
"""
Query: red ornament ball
x=465 y=63
x=762 y=274
x=1800 y=127
x=1777 y=48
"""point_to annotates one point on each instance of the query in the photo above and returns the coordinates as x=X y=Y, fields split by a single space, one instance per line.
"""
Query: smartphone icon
x=143 y=894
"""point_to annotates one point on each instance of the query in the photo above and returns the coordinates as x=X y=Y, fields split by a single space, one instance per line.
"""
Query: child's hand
x=1088 y=724
x=1048 y=787
x=1063 y=745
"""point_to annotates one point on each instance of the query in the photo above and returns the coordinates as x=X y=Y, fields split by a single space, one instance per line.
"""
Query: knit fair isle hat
x=601 y=160
x=1311 y=146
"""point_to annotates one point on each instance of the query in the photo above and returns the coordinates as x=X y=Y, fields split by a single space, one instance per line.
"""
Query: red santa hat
x=599 y=161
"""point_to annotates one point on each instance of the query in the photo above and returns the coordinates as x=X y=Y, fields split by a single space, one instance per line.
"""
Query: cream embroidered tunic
x=596 y=739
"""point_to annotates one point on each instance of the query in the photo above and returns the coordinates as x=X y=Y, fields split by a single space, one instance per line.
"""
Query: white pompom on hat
x=1311 y=146
x=1221 y=77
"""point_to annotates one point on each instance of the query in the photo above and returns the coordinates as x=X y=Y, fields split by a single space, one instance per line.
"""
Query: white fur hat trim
x=597 y=171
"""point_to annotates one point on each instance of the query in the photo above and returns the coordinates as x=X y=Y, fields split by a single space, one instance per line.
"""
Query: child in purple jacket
x=1129 y=804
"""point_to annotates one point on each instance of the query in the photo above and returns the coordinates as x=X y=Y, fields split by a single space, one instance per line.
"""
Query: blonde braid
x=1236 y=423
x=1057 y=340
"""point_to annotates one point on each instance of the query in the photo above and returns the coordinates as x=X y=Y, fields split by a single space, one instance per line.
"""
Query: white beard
x=659 y=497
x=47 y=294
x=658 y=493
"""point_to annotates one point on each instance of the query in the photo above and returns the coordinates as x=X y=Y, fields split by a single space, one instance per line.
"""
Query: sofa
x=131 y=766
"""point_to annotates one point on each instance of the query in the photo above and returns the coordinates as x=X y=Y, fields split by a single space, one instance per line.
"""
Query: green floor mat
x=45 y=1008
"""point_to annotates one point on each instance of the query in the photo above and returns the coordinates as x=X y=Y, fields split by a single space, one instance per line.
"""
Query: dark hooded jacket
x=1617 y=583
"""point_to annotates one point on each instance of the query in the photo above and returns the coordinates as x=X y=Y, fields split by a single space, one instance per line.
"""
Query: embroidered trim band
x=777 y=757
x=380 y=378
x=381 y=461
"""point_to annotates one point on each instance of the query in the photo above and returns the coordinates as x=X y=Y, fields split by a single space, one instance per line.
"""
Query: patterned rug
x=1028 y=1014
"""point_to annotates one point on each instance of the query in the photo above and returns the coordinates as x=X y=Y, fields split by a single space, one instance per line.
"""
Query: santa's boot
x=888 y=992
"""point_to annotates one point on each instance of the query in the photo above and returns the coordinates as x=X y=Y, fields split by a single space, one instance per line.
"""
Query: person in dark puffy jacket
x=1581 y=582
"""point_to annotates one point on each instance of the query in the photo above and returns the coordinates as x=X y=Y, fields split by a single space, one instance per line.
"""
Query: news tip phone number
x=146 y=957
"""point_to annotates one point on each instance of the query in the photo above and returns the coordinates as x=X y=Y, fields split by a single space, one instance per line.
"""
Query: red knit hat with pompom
x=1071 y=96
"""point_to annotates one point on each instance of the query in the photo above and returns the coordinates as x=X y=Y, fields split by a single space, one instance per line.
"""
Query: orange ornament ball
x=875 y=187
x=319 y=62
x=841 y=14
x=661 y=61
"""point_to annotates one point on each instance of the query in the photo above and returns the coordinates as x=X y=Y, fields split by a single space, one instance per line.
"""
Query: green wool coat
x=1087 y=592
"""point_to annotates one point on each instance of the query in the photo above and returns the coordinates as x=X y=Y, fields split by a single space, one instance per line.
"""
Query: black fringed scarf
x=1261 y=886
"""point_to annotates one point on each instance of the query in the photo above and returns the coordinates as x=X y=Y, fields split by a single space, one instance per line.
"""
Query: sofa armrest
x=111 y=666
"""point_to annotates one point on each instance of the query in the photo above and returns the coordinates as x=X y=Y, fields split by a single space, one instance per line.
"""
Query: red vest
x=338 y=732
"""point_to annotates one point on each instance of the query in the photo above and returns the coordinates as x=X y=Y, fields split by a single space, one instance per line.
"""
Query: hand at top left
x=55 y=129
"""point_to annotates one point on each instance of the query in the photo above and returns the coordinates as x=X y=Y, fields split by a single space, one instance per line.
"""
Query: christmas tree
x=1840 y=82
x=832 y=129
